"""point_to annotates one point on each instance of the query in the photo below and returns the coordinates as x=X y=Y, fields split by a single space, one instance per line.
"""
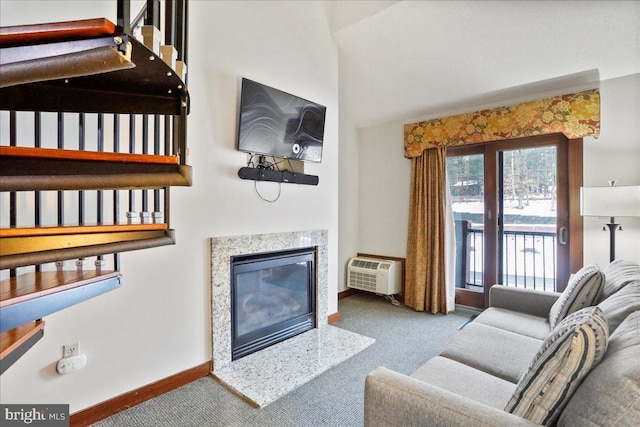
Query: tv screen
x=276 y=123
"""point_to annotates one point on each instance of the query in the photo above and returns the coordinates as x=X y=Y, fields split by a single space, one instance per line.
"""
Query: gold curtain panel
x=575 y=115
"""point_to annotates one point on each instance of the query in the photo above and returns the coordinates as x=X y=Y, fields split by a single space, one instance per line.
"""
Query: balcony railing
x=528 y=256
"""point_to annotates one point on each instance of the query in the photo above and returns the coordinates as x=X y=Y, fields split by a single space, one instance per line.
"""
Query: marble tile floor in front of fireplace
x=269 y=374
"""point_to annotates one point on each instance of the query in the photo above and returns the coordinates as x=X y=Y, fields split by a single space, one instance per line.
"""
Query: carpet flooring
x=405 y=339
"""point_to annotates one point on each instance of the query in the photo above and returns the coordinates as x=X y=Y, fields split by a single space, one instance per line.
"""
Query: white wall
x=158 y=323
x=374 y=192
x=615 y=155
x=348 y=189
x=384 y=176
x=348 y=198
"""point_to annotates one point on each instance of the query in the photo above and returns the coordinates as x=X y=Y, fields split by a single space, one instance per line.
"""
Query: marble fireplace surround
x=264 y=376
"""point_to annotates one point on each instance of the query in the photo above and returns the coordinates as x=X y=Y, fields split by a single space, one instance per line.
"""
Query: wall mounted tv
x=276 y=123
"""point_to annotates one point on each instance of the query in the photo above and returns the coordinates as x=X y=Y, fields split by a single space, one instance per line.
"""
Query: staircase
x=93 y=124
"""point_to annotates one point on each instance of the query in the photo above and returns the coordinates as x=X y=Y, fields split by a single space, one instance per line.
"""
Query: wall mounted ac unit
x=375 y=275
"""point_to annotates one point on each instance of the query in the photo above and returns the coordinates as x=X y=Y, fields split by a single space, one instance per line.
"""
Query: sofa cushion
x=466 y=381
x=610 y=394
x=566 y=356
x=501 y=353
x=618 y=274
x=618 y=306
x=513 y=321
x=583 y=290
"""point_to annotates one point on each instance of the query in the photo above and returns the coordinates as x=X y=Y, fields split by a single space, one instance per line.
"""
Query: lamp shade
x=610 y=201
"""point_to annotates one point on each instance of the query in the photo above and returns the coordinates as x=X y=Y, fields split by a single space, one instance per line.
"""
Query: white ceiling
x=419 y=59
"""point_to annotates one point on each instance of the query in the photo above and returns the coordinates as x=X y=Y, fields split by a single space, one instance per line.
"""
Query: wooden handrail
x=98 y=156
x=121 y=243
x=32 y=244
x=78 y=229
x=68 y=30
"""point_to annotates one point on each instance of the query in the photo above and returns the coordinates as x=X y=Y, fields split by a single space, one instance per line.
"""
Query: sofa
x=531 y=358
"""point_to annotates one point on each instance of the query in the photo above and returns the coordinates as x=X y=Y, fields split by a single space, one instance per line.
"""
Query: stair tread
x=30 y=286
x=13 y=339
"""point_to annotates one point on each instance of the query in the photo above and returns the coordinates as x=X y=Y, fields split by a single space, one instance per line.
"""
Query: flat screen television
x=276 y=123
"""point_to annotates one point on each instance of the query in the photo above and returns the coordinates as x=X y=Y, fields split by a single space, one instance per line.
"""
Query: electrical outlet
x=71 y=350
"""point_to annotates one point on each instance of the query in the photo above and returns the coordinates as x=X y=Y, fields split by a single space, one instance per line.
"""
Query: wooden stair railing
x=21 y=35
x=28 y=246
x=85 y=69
x=29 y=168
x=143 y=83
x=93 y=156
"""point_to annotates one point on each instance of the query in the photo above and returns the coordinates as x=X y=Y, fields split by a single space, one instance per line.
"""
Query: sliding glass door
x=465 y=173
x=527 y=222
x=511 y=211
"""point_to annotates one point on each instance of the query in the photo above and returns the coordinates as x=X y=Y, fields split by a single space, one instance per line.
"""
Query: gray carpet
x=405 y=339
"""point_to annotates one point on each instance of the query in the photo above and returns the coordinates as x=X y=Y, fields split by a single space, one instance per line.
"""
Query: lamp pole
x=612 y=238
x=611 y=202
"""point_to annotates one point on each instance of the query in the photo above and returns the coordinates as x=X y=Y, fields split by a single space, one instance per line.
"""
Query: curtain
x=425 y=286
x=450 y=248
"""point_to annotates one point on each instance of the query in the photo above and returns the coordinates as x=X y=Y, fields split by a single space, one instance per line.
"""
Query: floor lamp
x=610 y=202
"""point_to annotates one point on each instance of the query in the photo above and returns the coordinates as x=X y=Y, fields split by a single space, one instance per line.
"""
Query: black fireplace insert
x=272 y=298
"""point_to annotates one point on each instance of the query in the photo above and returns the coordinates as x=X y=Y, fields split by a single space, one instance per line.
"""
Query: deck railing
x=528 y=256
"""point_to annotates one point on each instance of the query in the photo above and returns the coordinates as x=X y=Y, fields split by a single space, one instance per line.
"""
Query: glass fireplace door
x=272 y=298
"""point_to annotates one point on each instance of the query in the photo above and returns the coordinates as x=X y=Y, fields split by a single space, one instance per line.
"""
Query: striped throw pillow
x=566 y=356
x=582 y=291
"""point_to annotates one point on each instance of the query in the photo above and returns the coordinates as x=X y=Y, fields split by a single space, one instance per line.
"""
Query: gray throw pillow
x=609 y=394
x=582 y=291
x=566 y=356
x=619 y=274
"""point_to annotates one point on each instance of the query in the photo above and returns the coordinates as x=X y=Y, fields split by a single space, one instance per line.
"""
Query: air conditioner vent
x=382 y=277
x=364 y=281
x=365 y=264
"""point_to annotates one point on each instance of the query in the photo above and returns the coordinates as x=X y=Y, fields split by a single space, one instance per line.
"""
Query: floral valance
x=575 y=115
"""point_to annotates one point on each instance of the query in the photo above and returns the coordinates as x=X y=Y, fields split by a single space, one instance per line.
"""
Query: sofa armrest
x=391 y=398
x=529 y=301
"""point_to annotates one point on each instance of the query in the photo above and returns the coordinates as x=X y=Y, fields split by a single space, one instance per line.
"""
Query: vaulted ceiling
x=404 y=59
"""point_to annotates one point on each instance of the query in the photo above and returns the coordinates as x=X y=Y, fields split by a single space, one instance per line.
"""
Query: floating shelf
x=28 y=246
x=29 y=297
x=16 y=342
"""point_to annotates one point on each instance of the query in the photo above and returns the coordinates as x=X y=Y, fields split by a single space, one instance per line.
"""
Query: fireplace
x=263 y=376
x=224 y=249
x=272 y=298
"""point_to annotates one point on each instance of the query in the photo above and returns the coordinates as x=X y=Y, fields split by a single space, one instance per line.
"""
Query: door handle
x=563 y=235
